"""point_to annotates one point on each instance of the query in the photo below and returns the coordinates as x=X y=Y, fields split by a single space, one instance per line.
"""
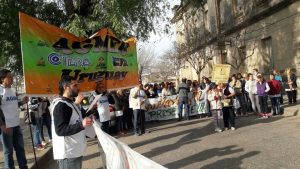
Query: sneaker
x=138 y=134
x=218 y=130
x=232 y=128
x=40 y=147
x=226 y=128
x=121 y=134
x=266 y=115
x=260 y=114
x=44 y=143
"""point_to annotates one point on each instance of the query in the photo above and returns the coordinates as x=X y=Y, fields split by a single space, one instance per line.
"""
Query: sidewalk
x=41 y=155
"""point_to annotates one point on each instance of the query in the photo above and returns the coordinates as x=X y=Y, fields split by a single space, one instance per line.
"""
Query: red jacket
x=275 y=87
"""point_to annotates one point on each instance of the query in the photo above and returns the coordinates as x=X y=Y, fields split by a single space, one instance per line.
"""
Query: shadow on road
x=91 y=156
x=230 y=163
x=190 y=135
x=286 y=104
x=194 y=135
x=153 y=127
x=211 y=153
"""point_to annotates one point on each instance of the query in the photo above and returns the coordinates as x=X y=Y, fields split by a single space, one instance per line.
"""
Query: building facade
x=262 y=34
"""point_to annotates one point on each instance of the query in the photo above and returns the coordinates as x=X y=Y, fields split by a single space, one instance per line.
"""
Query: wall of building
x=282 y=30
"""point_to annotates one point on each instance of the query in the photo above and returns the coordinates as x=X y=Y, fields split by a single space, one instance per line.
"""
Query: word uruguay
x=109 y=43
x=95 y=76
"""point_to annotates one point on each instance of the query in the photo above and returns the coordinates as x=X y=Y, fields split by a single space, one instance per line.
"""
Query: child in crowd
x=262 y=88
x=214 y=96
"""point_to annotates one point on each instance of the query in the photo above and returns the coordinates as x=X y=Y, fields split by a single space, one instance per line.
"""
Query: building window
x=267 y=56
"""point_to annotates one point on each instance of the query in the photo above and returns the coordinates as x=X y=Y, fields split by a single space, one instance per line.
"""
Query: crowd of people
x=241 y=95
x=65 y=117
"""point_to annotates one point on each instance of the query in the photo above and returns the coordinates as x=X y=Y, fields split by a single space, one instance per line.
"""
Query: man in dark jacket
x=182 y=91
x=69 y=142
x=119 y=109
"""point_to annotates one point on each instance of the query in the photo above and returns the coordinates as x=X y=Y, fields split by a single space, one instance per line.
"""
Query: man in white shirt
x=12 y=136
x=137 y=102
x=102 y=106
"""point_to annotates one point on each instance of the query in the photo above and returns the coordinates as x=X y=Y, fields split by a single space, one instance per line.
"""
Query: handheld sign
x=221 y=73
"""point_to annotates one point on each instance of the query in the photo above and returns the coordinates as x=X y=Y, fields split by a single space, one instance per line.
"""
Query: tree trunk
x=69 y=7
x=199 y=75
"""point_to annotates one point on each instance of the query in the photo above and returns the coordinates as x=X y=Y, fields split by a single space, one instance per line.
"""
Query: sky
x=162 y=43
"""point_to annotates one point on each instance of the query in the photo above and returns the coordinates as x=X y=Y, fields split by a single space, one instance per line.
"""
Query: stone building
x=246 y=34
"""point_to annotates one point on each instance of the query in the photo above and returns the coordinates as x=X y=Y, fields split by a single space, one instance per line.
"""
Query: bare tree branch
x=145 y=60
x=239 y=57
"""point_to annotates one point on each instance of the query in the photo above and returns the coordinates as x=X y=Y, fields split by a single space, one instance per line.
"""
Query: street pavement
x=256 y=144
x=28 y=146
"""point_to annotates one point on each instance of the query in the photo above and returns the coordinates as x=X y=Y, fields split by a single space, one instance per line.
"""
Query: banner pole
x=29 y=124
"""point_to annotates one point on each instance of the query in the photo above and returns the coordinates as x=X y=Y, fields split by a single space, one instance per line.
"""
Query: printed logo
x=119 y=62
x=101 y=63
x=68 y=61
x=41 y=62
x=54 y=59
x=11 y=98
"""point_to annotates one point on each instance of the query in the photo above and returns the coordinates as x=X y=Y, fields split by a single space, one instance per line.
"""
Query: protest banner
x=119 y=155
x=221 y=73
x=49 y=52
x=167 y=108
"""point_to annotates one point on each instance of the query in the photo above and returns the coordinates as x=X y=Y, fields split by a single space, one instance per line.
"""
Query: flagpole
x=29 y=124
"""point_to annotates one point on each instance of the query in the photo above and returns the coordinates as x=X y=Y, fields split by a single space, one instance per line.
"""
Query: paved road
x=256 y=144
x=28 y=145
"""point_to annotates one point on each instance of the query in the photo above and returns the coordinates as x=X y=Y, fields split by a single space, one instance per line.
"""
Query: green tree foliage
x=10 y=48
x=124 y=17
x=82 y=18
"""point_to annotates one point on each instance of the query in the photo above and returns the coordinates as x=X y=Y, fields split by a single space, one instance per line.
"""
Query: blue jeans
x=263 y=102
x=275 y=104
x=70 y=163
x=45 y=120
x=139 y=121
x=183 y=101
x=37 y=140
x=10 y=142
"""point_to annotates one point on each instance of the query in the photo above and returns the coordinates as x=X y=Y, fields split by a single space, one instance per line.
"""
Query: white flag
x=120 y=156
